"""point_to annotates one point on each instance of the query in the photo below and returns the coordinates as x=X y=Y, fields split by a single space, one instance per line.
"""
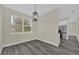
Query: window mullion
x=22 y=25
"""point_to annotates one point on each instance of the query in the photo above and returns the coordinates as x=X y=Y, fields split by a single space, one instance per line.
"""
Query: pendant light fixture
x=35 y=15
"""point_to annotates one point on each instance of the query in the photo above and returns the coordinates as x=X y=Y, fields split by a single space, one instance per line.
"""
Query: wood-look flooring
x=37 y=47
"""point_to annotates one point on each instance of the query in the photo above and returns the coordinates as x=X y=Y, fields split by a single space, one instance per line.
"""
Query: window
x=19 y=24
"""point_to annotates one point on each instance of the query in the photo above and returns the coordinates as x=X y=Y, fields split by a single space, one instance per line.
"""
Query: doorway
x=63 y=34
x=63 y=29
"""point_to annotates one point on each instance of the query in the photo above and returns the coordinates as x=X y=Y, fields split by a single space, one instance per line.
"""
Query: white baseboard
x=1 y=50
x=7 y=45
x=78 y=39
x=49 y=42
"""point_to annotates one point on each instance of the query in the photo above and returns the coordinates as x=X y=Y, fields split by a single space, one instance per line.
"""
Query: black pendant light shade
x=35 y=15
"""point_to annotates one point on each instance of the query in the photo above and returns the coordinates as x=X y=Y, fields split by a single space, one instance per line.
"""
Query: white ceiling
x=65 y=10
x=29 y=8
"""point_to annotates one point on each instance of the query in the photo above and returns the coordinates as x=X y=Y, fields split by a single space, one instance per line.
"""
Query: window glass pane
x=16 y=28
x=18 y=21
x=19 y=24
x=16 y=24
x=26 y=22
x=13 y=28
x=27 y=28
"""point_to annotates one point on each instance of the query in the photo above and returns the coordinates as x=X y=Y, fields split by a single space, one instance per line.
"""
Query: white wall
x=71 y=25
x=48 y=28
x=12 y=39
x=0 y=28
x=71 y=29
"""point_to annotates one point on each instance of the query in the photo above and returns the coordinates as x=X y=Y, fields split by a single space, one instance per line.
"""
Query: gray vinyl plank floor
x=37 y=47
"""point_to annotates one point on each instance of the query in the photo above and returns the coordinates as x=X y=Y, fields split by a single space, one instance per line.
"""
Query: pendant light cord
x=35 y=7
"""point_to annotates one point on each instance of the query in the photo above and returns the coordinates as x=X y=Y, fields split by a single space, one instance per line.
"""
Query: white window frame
x=13 y=33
